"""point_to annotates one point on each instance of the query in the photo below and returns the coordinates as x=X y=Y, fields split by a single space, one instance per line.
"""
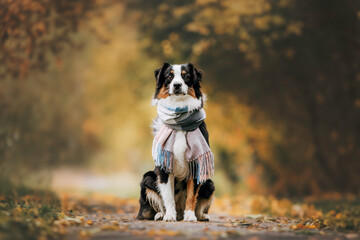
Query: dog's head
x=177 y=80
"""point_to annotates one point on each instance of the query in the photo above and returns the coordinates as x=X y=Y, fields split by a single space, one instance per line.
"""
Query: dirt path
x=100 y=217
x=125 y=226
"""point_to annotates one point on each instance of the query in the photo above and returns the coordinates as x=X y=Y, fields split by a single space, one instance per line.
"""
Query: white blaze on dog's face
x=177 y=85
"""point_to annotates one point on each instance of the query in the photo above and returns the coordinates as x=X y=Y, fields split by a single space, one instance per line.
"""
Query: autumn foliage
x=290 y=70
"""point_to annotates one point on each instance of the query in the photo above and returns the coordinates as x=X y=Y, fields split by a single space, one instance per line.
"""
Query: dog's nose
x=177 y=85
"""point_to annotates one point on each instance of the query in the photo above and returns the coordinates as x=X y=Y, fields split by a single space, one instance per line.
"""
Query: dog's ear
x=160 y=79
x=198 y=74
x=197 y=79
x=159 y=75
x=157 y=71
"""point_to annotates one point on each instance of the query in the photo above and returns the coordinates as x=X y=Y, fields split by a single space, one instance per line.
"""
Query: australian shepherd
x=172 y=196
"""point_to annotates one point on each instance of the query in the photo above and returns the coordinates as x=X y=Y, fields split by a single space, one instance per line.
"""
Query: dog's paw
x=170 y=217
x=205 y=217
x=189 y=216
x=158 y=216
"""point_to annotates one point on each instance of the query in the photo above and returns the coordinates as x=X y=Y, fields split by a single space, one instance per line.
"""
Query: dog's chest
x=181 y=167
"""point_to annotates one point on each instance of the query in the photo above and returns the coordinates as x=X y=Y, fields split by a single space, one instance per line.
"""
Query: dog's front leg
x=192 y=190
x=166 y=187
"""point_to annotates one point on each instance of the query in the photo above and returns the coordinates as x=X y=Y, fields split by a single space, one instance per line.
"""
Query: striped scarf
x=198 y=153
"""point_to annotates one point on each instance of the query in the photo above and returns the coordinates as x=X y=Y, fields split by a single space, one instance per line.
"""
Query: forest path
x=253 y=227
x=98 y=216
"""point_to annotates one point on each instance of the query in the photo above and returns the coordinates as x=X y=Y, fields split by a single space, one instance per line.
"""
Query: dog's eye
x=186 y=77
x=170 y=76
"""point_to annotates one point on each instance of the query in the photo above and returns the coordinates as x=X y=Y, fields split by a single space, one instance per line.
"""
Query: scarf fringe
x=164 y=159
x=201 y=168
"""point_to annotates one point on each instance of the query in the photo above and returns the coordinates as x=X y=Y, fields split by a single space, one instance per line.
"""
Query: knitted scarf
x=198 y=153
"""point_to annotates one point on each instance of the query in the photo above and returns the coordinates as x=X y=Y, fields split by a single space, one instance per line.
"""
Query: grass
x=340 y=215
x=26 y=213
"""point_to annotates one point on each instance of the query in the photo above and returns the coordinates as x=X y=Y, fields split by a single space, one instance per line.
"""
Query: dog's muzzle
x=177 y=89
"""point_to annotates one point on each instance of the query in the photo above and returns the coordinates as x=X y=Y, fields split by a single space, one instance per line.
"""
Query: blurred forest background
x=282 y=78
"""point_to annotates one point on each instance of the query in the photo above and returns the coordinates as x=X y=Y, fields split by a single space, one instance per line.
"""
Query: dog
x=173 y=196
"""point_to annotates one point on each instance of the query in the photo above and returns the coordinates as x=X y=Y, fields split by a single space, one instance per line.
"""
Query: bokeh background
x=282 y=79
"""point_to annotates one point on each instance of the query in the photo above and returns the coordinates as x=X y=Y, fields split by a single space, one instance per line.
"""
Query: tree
x=296 y=61
x=39 y=124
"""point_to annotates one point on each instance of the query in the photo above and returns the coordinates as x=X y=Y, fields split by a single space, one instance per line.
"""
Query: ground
x=116 y=219
x=45 y=215
x=118 y=226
